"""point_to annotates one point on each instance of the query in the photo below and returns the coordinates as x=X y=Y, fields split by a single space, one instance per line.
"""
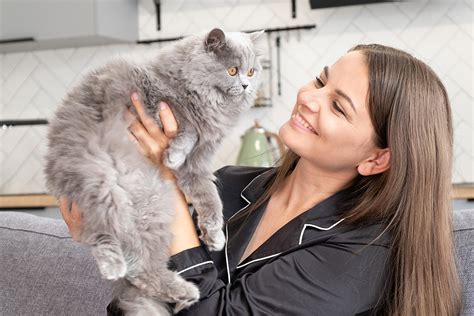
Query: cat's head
x=234 y=61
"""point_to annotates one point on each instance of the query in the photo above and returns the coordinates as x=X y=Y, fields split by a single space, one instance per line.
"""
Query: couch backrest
x=43 y=273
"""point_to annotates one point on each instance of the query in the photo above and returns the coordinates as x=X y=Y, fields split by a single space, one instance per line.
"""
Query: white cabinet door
x=67 y=23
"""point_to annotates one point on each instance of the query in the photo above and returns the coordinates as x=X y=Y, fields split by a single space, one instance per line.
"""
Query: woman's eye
x=250 y=72
x=232 y=71
x=337 y=108
x=319 y=82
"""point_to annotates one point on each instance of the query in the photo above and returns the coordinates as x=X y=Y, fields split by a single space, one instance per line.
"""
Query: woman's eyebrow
x=342 y=94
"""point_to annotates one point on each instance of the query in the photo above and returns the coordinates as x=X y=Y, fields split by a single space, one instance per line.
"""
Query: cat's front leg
x=109 y=256
x=179 y=149
x=208 y=205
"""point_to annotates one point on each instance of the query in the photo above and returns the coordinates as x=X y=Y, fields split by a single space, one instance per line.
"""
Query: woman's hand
x=72 y=217
x=152 y=140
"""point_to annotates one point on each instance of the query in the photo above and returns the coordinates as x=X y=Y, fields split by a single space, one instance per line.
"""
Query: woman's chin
x=287 y=135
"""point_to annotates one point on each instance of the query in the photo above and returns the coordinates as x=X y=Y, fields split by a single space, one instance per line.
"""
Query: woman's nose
x=310 y=100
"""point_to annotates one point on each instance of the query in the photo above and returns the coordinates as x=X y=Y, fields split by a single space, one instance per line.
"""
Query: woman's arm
x=183 y=229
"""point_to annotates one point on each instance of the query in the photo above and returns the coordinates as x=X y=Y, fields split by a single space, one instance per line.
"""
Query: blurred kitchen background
x=45 y=46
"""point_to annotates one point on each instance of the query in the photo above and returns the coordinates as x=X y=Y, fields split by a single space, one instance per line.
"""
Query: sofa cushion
x=464 y=240
x=42 y=272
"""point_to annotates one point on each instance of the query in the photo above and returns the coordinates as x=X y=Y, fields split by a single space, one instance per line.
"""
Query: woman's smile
x=300 y=123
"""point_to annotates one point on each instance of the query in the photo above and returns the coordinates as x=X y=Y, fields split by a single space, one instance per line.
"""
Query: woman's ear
x=375 y=164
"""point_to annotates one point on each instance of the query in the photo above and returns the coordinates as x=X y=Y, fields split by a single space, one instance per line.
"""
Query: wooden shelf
x=460 y=191
x=463 y=191
x=27 y=201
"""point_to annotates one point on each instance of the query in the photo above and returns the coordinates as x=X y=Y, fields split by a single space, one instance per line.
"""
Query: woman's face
x=330 y=125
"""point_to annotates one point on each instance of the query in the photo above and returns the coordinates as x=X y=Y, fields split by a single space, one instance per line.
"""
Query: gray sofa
x=43 y=272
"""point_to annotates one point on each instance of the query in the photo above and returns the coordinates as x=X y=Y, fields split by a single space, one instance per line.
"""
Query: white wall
x=439 y=33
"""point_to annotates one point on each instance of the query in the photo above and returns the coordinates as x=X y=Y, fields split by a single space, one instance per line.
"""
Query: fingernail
x=134 y=96
x=163 y=105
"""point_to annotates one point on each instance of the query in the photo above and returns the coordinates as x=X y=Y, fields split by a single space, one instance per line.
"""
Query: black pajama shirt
x=313 y=265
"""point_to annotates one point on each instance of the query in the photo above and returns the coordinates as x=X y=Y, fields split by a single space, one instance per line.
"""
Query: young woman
x=355 y=219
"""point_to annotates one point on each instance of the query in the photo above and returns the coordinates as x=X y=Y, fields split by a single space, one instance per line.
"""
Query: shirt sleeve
x=327 y=279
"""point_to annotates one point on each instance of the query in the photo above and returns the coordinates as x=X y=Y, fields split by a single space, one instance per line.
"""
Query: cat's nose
x=245 y=86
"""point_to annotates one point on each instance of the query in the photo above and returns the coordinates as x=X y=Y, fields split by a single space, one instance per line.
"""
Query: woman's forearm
x=183 y=230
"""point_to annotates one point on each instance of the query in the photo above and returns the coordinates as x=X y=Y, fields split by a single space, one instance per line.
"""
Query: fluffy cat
x=208 y=80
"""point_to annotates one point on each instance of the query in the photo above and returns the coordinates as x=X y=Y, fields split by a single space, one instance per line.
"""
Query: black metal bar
x=278 y=29
x=10 y=123
x=270 y=64
x=160 y=40
x=17 y=40
x=277 y=44
x=293 y=9
x=320 y=4
x=288 y=28
x=158 y=14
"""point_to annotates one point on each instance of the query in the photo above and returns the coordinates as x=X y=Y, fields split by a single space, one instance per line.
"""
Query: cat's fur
x=127 y=207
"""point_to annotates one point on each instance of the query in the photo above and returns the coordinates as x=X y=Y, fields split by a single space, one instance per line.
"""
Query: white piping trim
x=263 y=258
x=226 y=231
x=299 y=243
x=318 y=227
x=194 y=266
x=242 y=196
x=226 y=258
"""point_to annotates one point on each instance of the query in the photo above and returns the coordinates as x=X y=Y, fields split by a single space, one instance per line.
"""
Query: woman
x=356 y=218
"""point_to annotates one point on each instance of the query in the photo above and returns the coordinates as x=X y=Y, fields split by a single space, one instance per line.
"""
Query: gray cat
x=208 y=81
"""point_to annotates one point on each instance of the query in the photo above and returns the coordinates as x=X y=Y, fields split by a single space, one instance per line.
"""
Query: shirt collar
x=255 y=188
x=325 y=208
x=322 y=217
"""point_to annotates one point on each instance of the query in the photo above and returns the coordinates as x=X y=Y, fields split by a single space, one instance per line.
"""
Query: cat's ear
x=255 y=36
x=257 y=39
x=215 y=40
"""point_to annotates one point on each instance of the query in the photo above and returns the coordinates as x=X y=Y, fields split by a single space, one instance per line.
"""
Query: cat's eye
x=232 y=71
x=250 y=72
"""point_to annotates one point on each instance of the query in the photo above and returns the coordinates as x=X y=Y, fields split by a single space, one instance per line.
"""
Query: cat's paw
x=113 y=268
x=138 y=282
x=215 y=241
x=187 y=296
x=174 y=159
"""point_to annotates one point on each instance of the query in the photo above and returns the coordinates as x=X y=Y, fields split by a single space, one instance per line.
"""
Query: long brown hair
x=411 y=115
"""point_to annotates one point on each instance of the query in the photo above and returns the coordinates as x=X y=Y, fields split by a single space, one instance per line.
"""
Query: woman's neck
x=306 y=187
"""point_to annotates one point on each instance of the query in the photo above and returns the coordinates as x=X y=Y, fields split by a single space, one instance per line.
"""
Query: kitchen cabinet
x=52 y=24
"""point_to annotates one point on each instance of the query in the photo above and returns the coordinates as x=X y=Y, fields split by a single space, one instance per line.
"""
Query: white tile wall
x=438 y=32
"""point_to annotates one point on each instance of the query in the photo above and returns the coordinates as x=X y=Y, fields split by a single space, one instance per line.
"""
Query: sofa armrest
x=44 y=272
x=464 y=241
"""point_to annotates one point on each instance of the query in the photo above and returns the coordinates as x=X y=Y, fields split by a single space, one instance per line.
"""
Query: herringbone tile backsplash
x=437 y=32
